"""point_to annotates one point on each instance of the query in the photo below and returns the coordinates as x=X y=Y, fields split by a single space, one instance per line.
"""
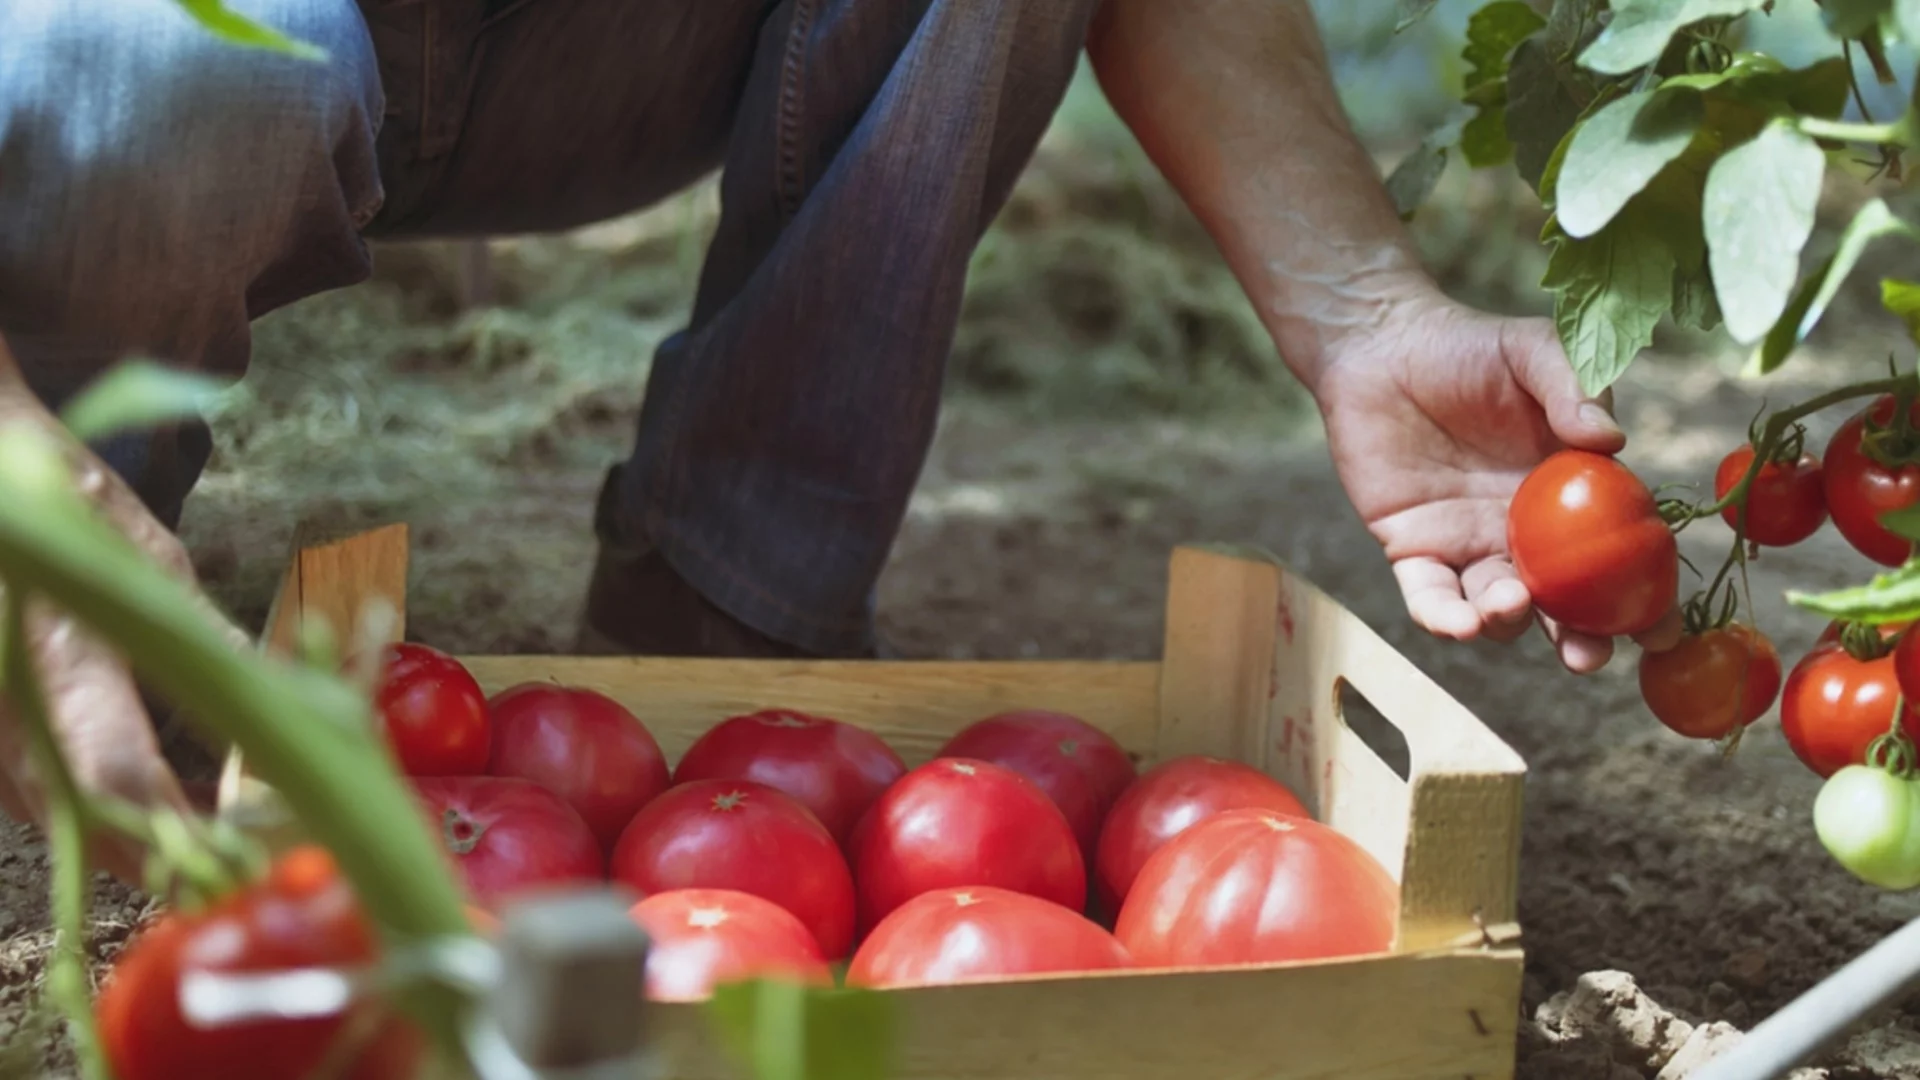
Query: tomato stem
x=67 y=983
x=1777 y=425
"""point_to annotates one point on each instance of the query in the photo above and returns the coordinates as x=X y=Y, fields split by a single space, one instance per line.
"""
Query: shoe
x=637 y=605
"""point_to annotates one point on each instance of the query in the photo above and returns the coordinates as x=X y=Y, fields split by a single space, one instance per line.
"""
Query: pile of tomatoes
x=1597 y=551
x=784 y=843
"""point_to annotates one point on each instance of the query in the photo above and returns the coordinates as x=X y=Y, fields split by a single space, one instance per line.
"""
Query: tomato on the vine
x=1712 y=682
x=1169 y=799
x=1860 y=489
x=956 y=822
x=302 y=914
x=1834 y=705
x=1254 y=886
x=581 y=745
x=1906 y=667
x=702 y=938
x=1785 y=504
x=736 y=834
x=433 y=711
x=833 y=768
x=1587 y=540
x=507 y=835
x=1869 y=821
x=978 y=933
x=1081 y=768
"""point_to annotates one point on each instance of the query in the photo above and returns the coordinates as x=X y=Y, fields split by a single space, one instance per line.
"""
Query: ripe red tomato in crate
x=1588 y=542
x=701 y=938
x=980 y=932
x=1170 y=798
x=1255 y=886
x=507 y=835
x=1081 y=768
x=956 y=822
x=833 y=768
x=433 y=712
x=736 y=834
x=581 y=745
x=302 y=914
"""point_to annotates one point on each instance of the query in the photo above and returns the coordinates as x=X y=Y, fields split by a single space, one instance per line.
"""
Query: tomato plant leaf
x=1412 y=11
x=137 y=394
x=1893 y=596
x=1641 y=29
x=781 y=1030
x=1492 y=33
x=1903 y=299
x=1544 y=102
x=1414 y=178
x=1854 y=18
x=1873 y=221
x=1693 y=301
x=231 y=26
x=1906 y=19
x=1618 y=150
x=1758 y=212
x=1610 y=291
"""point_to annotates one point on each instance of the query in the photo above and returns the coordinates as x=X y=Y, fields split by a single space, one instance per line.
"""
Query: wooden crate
x=1253 y=668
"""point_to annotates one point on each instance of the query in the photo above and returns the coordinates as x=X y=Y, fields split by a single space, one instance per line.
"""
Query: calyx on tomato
x=1871 y=467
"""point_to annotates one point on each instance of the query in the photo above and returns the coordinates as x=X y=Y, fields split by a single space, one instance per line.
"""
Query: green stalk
x=67 y=983
x=1777 y=426
x=304 y=733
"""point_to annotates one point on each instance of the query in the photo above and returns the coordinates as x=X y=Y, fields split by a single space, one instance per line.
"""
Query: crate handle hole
x=1380 y=735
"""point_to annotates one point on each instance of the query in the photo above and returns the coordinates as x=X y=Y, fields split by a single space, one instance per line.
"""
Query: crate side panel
x=1404 y=1018
x=914 y=705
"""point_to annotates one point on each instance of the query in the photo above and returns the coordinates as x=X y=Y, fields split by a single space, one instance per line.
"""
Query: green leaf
x=1412 y=11
x=1483 y=141
x=1759 y=209
x=1903 y=299
x=1873 y=221
x=782 y=1030
x=1492 y=33
x=135 y=395
x=1904 y=522
x=1891 y=597
x=1611 y=290
x=1641 y=29
x=1544 y=102
x=1618 y=150
x=1854 y=18
x=1414 y=178
x=1571 y=24
x=1694 y=304
x=229 y=25
x=1906 y=19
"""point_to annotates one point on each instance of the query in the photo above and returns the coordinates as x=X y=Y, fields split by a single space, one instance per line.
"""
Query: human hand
x=1434 y=414
x=95 y=705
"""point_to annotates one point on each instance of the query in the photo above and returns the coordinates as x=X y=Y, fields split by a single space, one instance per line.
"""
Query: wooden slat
x=1217 y=661
x=1392 y=1018
x=914 y=705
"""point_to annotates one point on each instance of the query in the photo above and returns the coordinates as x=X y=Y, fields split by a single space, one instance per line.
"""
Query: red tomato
x=508 y=835
x=1833 y=706
x=701 y=938
x=302 y=914
x=1906 y=667
x=584 y=747
x=1587 y=540
x=1081 y=768
x=434 y=712
x=980 y=933
x=835 y=769
x=1167 y=800
x=1785 y=504
x=736 y=834
x=1258 y=887
x=1713 y=682
x=1860 y=489
x=956 y=822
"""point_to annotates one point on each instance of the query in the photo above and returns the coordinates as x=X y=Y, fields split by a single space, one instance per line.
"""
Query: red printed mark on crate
x=1285 y=615
x=1285 y=746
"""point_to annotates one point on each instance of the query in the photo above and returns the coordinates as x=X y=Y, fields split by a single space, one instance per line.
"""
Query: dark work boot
x=638 y=606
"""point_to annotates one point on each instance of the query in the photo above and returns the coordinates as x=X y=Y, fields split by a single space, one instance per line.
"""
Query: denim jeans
x=159 y=190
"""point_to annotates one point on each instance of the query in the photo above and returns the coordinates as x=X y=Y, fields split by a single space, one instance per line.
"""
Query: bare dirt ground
x=1042 y=529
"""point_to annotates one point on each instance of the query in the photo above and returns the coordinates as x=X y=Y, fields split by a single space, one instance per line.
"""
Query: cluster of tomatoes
x=786 y=844
x=1597 y=551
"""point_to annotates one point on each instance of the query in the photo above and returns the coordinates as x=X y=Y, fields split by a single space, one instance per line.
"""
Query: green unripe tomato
x=1869 y=820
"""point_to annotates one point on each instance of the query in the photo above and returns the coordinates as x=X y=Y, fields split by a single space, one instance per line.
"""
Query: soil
x=1665 y=888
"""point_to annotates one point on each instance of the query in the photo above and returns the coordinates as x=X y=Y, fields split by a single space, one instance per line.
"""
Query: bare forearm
x=1233 y=102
